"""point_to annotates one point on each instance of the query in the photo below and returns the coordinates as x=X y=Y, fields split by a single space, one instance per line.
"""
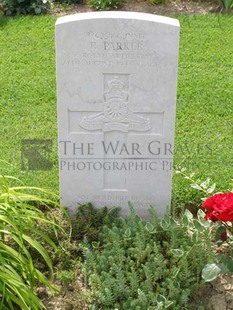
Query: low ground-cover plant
x=20 y=231
x=147 y=265
x=89 y=221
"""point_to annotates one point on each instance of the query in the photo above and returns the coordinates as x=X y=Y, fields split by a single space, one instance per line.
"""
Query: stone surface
x=116 y=86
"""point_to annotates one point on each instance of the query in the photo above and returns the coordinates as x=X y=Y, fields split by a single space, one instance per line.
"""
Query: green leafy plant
x=20 y=231
x=16 y=7
x=157 y=1
x=101 y=5
x=66 y=277
x=203 y=186
x=147 y=265
x=89 y=221
x=227 y=4
x=219 y=211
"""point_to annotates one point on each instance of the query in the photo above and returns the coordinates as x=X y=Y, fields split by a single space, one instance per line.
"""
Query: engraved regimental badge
x=117 y=113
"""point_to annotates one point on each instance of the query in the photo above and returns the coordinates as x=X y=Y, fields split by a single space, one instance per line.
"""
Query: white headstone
x=116 y=86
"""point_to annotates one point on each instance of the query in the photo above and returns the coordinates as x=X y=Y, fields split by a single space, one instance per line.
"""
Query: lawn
x=204 y=132
x=125 y=263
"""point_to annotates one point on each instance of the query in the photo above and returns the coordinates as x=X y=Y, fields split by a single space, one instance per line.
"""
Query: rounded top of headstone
x=118 y=15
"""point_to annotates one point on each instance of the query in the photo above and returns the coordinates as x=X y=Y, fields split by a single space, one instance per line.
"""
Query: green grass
x=28 y=92
x=204 y=105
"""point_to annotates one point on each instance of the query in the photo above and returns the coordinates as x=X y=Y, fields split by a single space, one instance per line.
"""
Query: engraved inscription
x=117 y=113
x=122 y=46
x=117 y=35
x=109 y=49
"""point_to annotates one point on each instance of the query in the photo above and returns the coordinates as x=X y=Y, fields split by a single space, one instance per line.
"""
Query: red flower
x=209 y=203
x=211 y=216
x=219 y=207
